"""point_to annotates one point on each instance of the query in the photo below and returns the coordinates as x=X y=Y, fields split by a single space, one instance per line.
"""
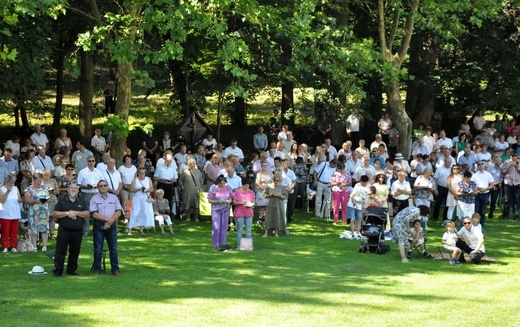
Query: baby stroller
x=373 y=231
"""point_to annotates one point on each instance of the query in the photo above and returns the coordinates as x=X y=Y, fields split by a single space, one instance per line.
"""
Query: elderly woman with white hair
x=190 y=180
x=161 y=210
x=63 y=141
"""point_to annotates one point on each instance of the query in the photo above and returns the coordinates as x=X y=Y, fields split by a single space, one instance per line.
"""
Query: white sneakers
x=44 y=249
x=5 y=250
x=14 y=250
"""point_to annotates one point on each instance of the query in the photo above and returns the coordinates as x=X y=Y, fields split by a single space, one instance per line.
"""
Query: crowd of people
x=467 y=173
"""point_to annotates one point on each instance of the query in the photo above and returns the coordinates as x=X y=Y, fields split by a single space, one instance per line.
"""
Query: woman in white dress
x=142 y=207
x=453 y=184
x=128 y=172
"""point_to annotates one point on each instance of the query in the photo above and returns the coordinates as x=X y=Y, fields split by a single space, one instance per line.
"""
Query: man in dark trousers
x=70 y=212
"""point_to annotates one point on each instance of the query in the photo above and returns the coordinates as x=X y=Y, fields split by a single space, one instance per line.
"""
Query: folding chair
x=417 y=247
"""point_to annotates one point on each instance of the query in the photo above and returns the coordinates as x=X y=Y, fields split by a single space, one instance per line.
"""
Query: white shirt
x=474 y=236
x=483 y=179
x=127 y=174
x=40 y=139
x=167 y=173
x=113 y=178
x=446 y=142
x=333 y=153
x=213 y=142
x=289 y=178
x=40 y=163
x=235 y=182
x=441 y=175
x=181 y=158
x=90 y=177
x=397 y=185
x=235 y=151
x=353 y=123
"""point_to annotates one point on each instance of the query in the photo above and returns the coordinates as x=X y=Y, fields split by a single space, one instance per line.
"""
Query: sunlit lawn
x=310 y=278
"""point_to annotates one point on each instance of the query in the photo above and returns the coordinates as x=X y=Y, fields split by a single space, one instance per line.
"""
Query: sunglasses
x=467 y=223
x=71 y=169
x=92 y=161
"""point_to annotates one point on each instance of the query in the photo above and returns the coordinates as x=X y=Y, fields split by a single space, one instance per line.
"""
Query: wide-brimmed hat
x=399 y=156
x=37 y=270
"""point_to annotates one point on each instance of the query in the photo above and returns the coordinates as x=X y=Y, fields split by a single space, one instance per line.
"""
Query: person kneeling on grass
x=449 y=239
x=401 y=227
x=417 y=238
x=474 y=244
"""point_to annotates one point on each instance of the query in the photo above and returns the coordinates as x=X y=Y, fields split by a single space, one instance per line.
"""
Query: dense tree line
x=413 y=58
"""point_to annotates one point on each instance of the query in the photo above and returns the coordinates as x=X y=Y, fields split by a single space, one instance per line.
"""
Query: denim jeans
x=481 y=202
x=100 y=234
x=247 y=221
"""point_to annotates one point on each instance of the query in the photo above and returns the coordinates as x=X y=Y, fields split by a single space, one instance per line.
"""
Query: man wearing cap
x=106 y=210
x=400 y=162
x=70 y=212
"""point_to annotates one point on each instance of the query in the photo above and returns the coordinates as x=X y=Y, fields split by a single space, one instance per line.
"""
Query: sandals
x=405 y=259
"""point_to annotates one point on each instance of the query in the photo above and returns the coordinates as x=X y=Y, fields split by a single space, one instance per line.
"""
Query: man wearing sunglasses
x=106 y=210
x=88 y=178
x=471 y=241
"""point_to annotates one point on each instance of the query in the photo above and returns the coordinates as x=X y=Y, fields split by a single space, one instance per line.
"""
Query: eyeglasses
x=92 y=161
x=467 y=223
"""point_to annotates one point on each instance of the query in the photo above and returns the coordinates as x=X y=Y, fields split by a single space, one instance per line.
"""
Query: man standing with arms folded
x=70 y=211
x=106 y=210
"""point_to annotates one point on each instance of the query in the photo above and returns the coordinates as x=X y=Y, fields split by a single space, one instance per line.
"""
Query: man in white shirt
x=166 y=176
x=365 y=169
x=400 y=162
x=42 y=161
x=420 y=148
x=113 y=177
x=475 y=248
x=485 y=183
x=444 y=141
x=353 y=163
x=377 y=142
x=39 y=138
x=445 y=152
x=479 y=121
x=232 y=179
x=233 y=149
x=288 y=142
x=103 y=165
x=353 y=126
x=441 y=176
x=322 y=174
x=401 y=191
x=331 y=150
x=88 y=178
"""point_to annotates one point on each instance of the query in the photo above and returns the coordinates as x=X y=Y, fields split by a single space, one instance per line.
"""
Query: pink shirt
x=240 y=210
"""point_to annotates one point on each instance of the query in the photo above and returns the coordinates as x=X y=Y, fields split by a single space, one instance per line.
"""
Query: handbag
x=246 y=244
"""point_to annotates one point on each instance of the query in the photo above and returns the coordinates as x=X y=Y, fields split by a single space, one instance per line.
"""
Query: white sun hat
x=37 y=270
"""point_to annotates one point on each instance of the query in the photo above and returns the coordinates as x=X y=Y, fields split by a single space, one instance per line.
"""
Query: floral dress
x=27 y=166
x=403 y=218
x=38 y=214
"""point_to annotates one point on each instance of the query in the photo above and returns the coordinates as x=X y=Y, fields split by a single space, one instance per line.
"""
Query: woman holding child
x=401 y=227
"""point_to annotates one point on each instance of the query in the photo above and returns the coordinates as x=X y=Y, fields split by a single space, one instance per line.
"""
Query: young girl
x=417 y=238
x=449 y=239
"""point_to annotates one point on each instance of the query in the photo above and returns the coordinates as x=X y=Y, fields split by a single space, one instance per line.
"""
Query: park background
x=428 y=61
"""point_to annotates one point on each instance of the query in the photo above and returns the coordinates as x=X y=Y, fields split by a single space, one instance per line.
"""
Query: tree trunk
x=124 y=99
x=86 y=92
x=373 y=109
x=399 y=117
x=180 y=86
x=420 y=95
x=287 y=86
x=239 y=116
x=60 y=60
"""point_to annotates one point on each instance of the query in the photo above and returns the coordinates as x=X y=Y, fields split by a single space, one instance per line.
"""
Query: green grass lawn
x=310 y=278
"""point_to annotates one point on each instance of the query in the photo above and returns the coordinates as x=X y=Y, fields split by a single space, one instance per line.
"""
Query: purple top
x=223 y=194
